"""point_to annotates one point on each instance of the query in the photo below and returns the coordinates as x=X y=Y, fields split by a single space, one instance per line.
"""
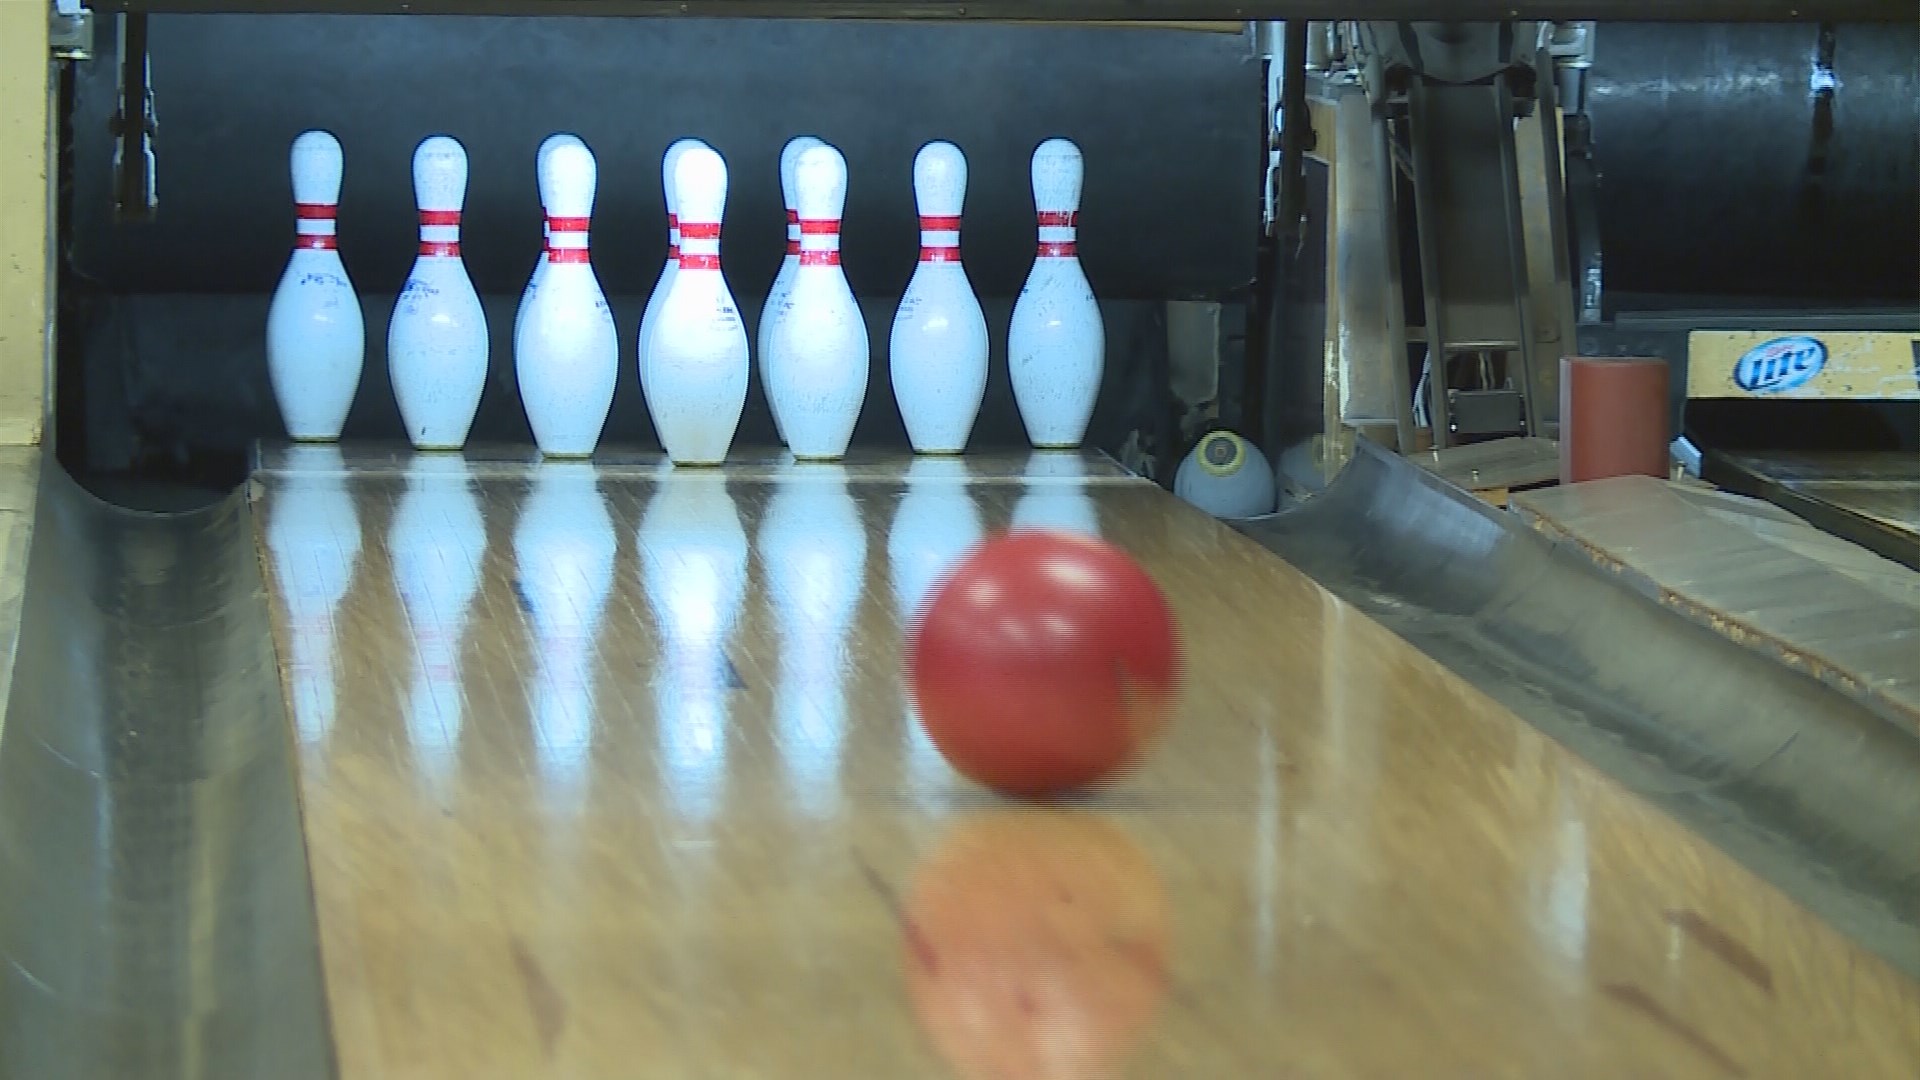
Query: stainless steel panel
x=156 y=919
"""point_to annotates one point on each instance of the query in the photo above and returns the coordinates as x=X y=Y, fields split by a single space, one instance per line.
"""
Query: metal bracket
x=70 y=31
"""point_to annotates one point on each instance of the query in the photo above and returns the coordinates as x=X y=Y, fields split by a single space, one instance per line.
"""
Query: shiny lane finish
x=632 y=790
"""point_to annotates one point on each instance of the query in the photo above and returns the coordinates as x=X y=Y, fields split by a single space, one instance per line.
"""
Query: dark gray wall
x=171 y=330
x=1724 y=174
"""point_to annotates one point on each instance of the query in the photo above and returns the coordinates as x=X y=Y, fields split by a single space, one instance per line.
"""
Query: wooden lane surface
x=613 y=777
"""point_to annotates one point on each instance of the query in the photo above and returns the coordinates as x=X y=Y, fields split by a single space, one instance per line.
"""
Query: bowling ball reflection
x=1036 y=946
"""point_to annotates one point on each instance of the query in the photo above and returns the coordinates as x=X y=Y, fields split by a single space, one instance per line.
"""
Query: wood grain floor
x=608 y=772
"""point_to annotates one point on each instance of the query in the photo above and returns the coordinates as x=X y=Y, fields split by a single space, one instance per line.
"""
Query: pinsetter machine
x=1363 y=234
x=1473 y=198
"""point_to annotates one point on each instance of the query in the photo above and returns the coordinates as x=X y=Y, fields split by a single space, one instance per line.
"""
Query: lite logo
x=1782 y=364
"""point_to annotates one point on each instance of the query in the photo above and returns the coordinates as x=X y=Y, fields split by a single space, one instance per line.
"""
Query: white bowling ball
x=1226 y=476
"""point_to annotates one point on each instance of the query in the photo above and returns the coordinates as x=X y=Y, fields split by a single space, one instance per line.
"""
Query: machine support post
x=134 y=193
x=1296 y=138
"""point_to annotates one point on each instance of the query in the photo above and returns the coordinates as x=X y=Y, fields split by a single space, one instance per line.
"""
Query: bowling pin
x=696 y=365
x=316 y=336
x=567 y=351
x=1226 y=476
x=437 y=341
x=938 y=348
x=546 y=236
x=782 y=281
x=817 y=355
x=1056 y=343
x=665 y=280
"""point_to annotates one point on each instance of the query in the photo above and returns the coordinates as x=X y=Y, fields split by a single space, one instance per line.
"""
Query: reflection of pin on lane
x=313 y=531
x=1055 y=494
x=564 y=549
x=1037 y=944
x=814 y=548
x=438 y=540
x=693 y=563
x=1226 y=476
x=693 y=556
x=935 y=524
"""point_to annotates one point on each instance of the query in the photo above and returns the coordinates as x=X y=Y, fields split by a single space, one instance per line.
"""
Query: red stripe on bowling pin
x=702 y=234
x=939 y=249
x=314 y=226
x=439 y=219
x=820 y=228
x=1056 y=222
x=561 y=234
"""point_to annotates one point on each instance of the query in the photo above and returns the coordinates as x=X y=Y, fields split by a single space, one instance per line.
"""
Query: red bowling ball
x=1044 y=662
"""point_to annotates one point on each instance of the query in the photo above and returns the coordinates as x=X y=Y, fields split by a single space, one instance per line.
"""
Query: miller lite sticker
x=1780 y=365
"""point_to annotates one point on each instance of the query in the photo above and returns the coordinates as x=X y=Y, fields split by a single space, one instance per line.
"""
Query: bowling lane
x=606 y=771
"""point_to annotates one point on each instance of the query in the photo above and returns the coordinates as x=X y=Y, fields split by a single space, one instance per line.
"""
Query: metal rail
x=158 y=920
x=1806 y=784
x=1885 y=11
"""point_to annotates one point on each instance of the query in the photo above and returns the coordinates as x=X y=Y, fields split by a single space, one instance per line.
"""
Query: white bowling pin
x=546 y=236
x=1056 y=343
x=696 y=366
x=437 y=341
x=316 y=336
x=817 y=355
x=567 y=351
x=938 y=349
x=1226 y=476
x=665 y=280
x=782 y=281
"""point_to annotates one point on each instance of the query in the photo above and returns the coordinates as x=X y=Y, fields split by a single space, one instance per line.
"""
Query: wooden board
x=1832 y=364
x=25 y=291
x=19 y=485
x=613 y=776
x=1756 y=574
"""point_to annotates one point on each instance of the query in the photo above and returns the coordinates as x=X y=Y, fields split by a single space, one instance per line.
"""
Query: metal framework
x=1089 y=10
